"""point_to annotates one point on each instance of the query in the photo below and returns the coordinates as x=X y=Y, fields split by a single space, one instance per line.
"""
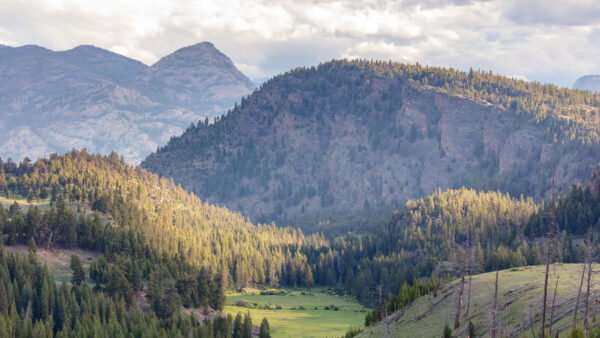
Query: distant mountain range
x=350 y=136
x=590 y=82
x=88 y=97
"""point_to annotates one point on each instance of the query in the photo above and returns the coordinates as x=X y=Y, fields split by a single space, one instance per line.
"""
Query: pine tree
x=218 y=295
x=265 y=331
x=247 y=326
x=447 y=331
x=77 y=268
x=237 y=326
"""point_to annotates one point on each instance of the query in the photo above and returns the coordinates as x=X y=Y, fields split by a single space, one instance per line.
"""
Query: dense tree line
x=33 y=305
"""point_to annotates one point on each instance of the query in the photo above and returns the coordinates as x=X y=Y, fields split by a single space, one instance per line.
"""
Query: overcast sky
x=542 y=40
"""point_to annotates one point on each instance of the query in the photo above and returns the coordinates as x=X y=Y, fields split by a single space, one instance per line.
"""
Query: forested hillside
x=157 y=239
x=358 y=135
x=153 y=212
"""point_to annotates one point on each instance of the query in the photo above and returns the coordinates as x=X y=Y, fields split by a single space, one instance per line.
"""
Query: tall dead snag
x=495 y=305
x=548 y=258
x=578 y=296
x=588 y=257
x=381 y=315
x=468 y=297
x=470 y=270
x=460 y=297
x=462 y=284
x=552 y=309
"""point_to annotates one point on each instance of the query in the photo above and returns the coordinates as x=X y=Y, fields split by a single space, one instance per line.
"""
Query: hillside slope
x=349 y=135
x=102 y=194
x=519 y=297
x=88 y=97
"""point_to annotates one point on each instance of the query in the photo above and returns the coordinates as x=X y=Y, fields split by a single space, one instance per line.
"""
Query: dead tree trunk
x=460 y=294
x=469 y=297
x=548 y=258
x=470 y=271
x=589 y=279
x=495 y=305
x=380 y=305
x=578 y=297
x=552 y=309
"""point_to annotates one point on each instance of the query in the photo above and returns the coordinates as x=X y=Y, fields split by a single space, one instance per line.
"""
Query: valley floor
x=300 y=313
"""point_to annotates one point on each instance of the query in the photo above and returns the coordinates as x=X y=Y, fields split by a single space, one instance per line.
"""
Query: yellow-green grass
x=519 y=305
x=22 y=201
x=291 y=321
x=58 y=260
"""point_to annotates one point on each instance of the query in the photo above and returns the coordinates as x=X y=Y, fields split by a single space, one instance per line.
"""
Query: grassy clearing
x=519 y=305
x=22 y=201
x=58 y=260
x=293 y=314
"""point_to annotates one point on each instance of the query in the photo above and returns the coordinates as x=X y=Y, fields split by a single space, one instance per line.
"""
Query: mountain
x=90 y=97
x=197 y=78
x=589 y=82
x=351 y=136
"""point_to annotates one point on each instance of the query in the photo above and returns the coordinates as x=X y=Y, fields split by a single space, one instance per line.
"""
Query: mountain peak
x=192 y=73
x=193 y=55
x=589 y=82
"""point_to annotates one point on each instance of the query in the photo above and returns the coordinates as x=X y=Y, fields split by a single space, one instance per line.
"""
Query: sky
x=538 y=40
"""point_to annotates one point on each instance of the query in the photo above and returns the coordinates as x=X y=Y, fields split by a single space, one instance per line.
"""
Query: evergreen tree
x=247 y=326
x=162 y=293
x=238 y=326
x=447 y=331
x=77 y=269
x=265 y=331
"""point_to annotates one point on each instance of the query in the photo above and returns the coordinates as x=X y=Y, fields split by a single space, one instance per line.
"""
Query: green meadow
x=299 y=313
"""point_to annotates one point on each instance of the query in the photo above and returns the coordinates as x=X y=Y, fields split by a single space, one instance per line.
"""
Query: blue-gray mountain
x=88 y=97
x=589 y=82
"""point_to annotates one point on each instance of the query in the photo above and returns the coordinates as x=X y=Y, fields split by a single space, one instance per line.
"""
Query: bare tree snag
x=578 y=297
x=380 y=304
x=460 y=294
x=548 y=258
x=469 y=297
x=495 y=305
x=589 y=257
x=552 y=309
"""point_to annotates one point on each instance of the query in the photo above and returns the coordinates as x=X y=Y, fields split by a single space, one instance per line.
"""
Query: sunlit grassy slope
x=519 y=305
x=58 y=260
x=22 y=201
x=298 y=316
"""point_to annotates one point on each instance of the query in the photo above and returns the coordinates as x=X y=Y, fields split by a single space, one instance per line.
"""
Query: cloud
x=548 y=41
x=543 y=12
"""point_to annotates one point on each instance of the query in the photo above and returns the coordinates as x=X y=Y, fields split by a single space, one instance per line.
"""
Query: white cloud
x=541 y=40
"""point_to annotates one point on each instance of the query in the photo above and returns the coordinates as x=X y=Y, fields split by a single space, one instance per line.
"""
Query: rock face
x=340 y=137
x=90 y=97
x=589 y=82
